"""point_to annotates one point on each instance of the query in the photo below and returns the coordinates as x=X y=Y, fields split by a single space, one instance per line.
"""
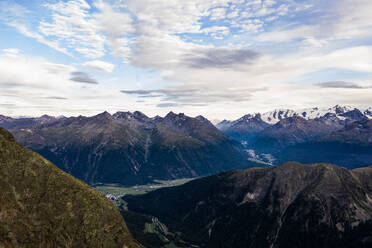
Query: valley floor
x=114 y=191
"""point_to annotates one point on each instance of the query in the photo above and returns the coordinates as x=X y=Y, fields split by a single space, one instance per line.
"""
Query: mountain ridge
x=274 y=116
x=131 y=148
x=291 y=135
x=291 y=205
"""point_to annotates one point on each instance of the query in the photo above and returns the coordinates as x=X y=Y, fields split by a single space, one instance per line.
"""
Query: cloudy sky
x=218 y=58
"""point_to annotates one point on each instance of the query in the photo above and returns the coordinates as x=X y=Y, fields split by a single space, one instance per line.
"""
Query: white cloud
x=158 y=47
x=100 y=65
x=313 y=42
x=289 y=34
x=218 y=13
x=233 y=14
x=11 y=52
x=12 y=11
x=251 y=25
x=218 y=32
x=14 y=15
x=30 y=72
x=345 y=20
x=35 y=86
x=89 y=32
x=287 y=41
x=116 y=25
x=171 y=17
x=73 y=24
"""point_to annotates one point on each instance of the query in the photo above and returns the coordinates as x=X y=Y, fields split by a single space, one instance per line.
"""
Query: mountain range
x=288 y=134
x=130 y=148
x=272 y=117
x=25 y=122
x=291 y=205
x=42 y=206
x=350 y=146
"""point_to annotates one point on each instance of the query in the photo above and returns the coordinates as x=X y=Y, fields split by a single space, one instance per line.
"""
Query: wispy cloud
x=167 y=105
x=72 y=23
x=15 y=15
x=55 y=97
x=139 y=92
x=341 y=85
x=219 y=57
x=82 y=77
x=196 y=95
x=11 y=52
x=100 y=65
x=345 y=21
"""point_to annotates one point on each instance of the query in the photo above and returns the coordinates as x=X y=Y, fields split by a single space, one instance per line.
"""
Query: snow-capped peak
x=276 y=115
x=368 y=112
x=340 y=109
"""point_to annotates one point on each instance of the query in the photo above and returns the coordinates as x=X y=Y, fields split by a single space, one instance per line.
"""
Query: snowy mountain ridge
x=273 y=117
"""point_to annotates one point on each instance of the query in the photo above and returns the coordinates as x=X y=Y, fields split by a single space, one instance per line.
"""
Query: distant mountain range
x=291 y=205
x=42 y=206
x=25 y=122
x=130 y=148
x=272 y=117
x=307 y=136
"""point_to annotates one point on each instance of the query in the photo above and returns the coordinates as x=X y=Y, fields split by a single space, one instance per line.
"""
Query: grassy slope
x=41 y=206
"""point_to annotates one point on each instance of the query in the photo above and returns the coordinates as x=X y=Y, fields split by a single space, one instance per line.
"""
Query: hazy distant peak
x=104 y=114
x=4 y=118
x=136 y=115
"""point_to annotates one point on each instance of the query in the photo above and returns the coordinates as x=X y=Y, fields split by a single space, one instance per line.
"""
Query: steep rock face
x=131 y=148
x=368 y=113
x=291 y=205
x=244 y=129
x=291 y=131
x=350 y=146
x=359 y=132
x=42 y=206
x=353 y=115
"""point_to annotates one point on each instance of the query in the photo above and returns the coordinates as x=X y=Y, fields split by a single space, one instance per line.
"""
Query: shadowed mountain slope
x=350 y=146
x=42 y=206
x=291 y=205
x=293 y=130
